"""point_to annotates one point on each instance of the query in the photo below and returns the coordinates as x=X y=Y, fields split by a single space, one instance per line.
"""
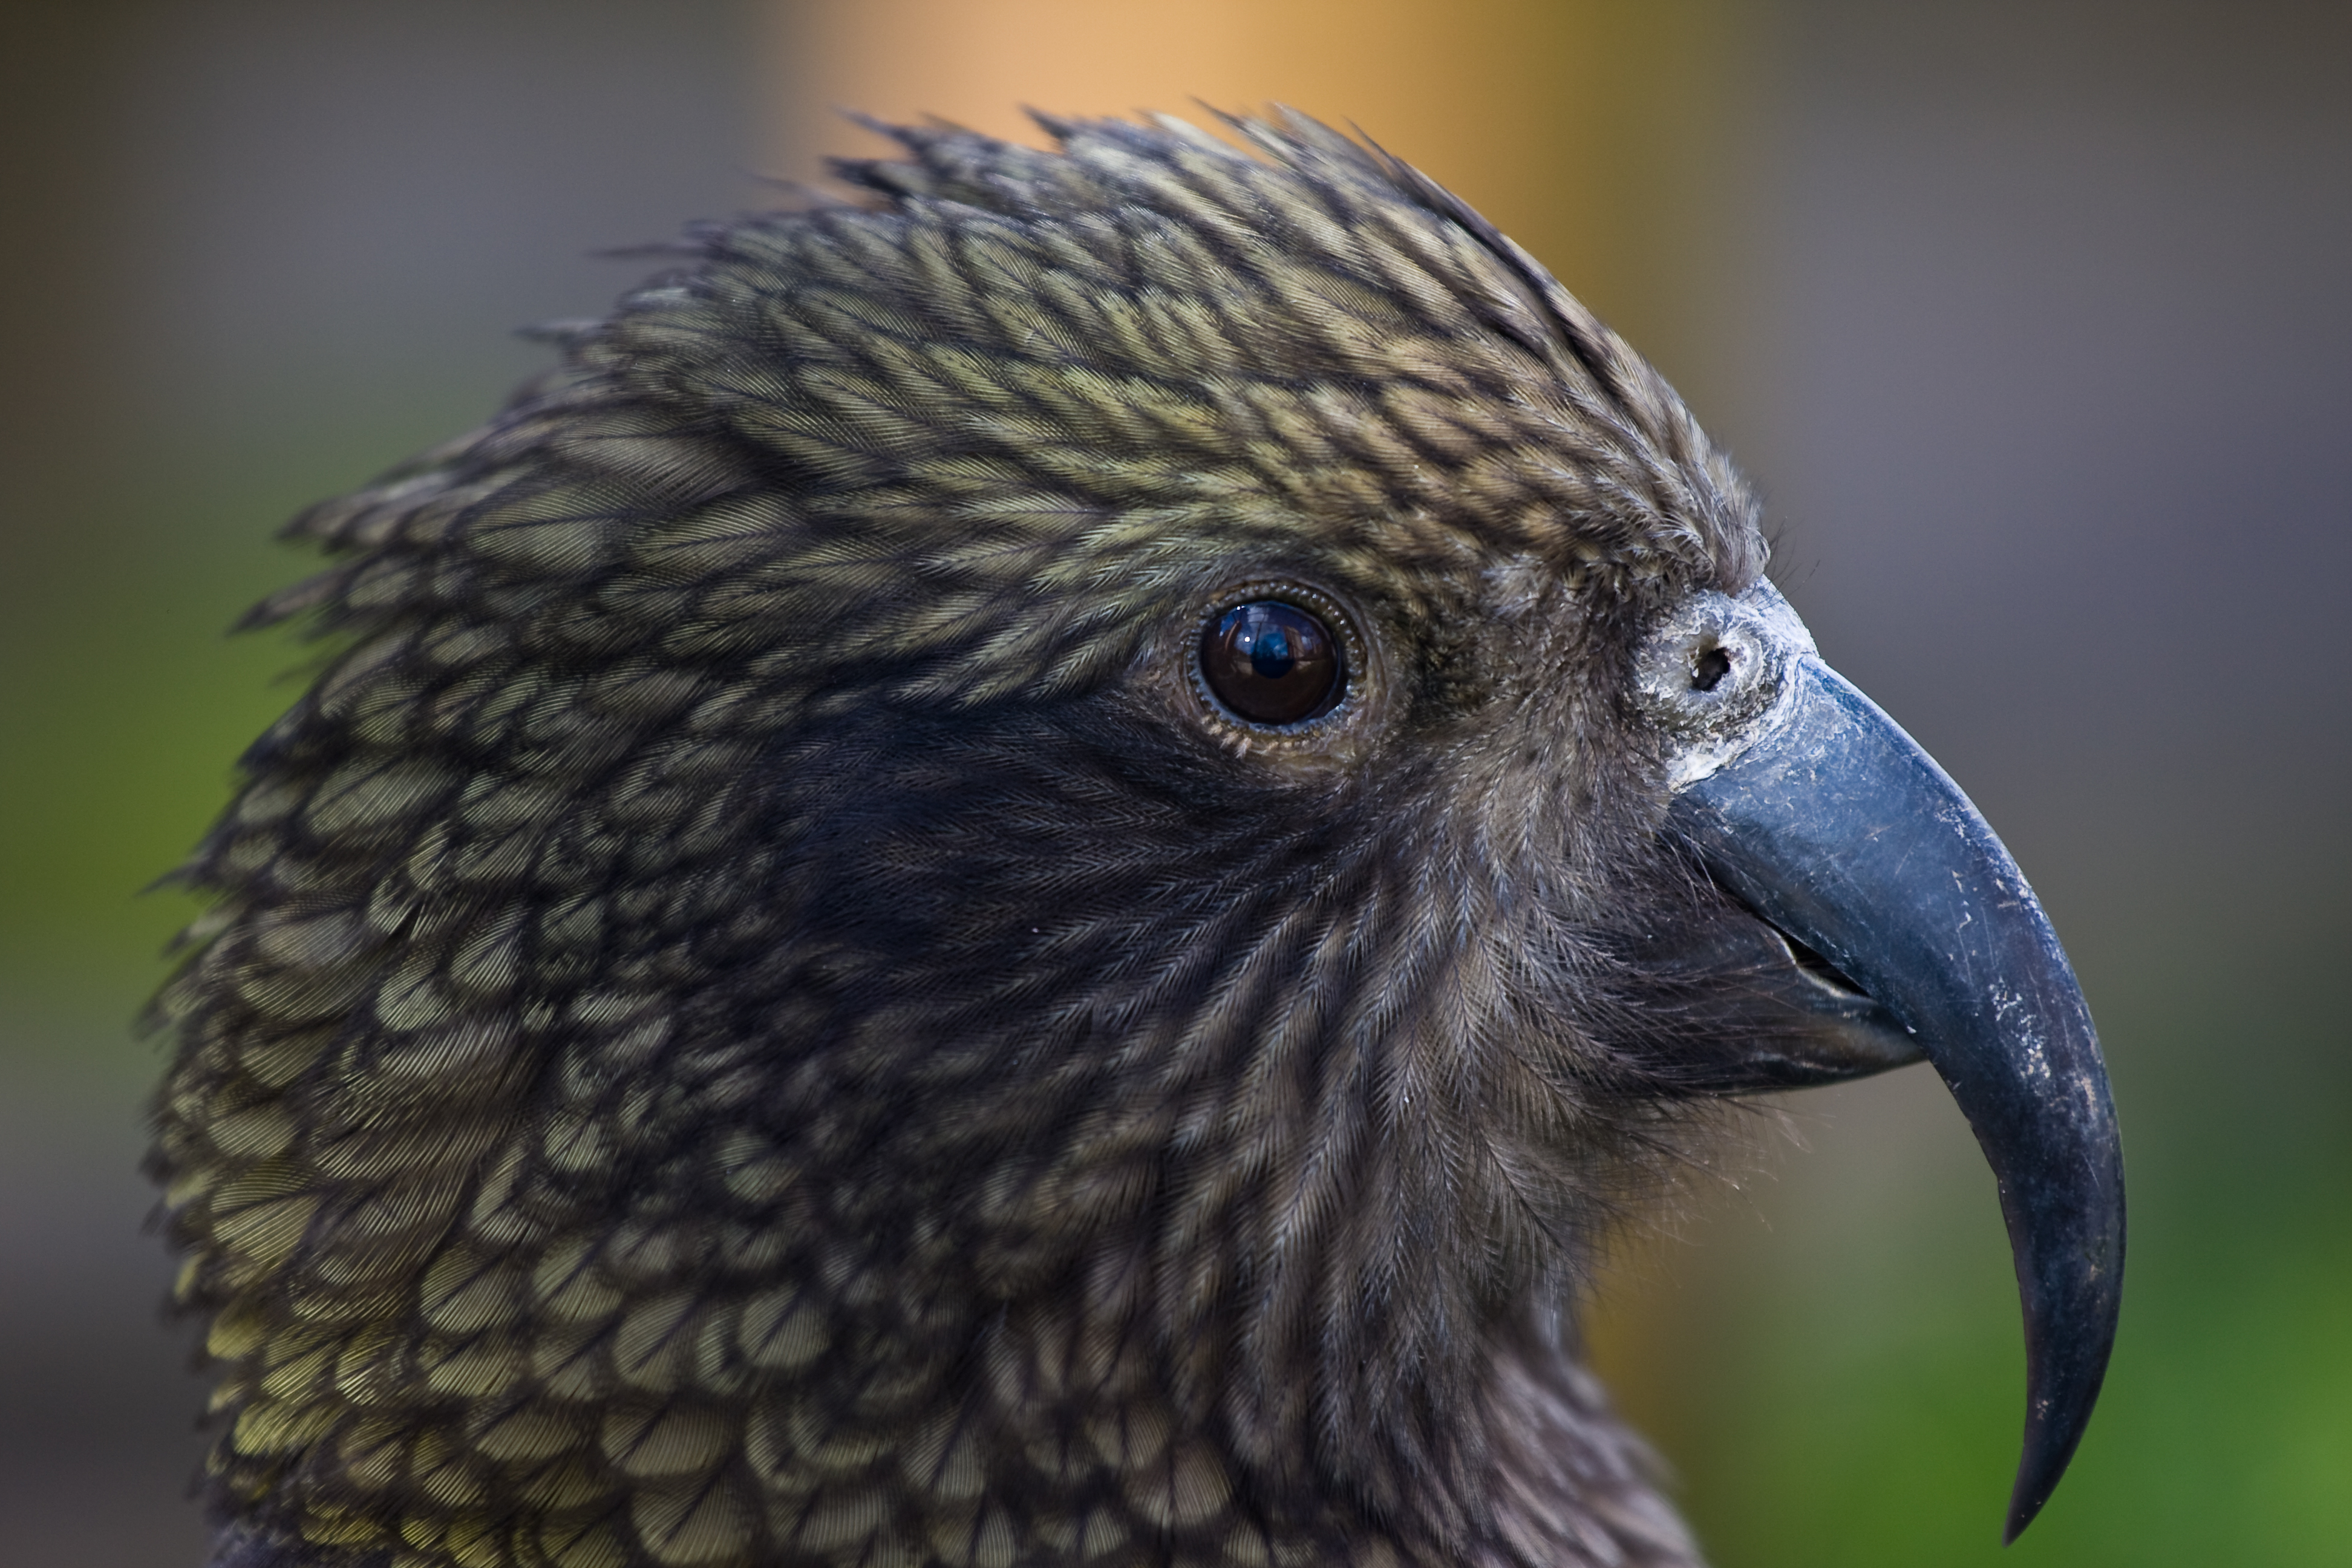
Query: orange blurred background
x=1584 y=128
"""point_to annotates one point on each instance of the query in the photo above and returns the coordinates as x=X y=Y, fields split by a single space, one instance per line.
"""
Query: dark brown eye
x=1272 y=663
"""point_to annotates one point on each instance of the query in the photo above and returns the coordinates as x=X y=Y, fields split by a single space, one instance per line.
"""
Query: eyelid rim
x=1324 y=607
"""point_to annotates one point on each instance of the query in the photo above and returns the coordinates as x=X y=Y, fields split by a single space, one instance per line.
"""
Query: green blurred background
x=2033 y=322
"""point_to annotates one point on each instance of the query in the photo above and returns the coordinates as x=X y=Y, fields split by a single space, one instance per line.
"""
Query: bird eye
x=1272 y=663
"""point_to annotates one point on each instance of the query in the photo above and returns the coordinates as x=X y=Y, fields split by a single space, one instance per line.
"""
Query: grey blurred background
x=2033 y=322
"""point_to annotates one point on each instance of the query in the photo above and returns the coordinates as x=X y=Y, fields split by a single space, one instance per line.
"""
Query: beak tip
x=2039 y=1470
x=2069 y=1241
x=2024 y=1504
x=2048 y=1450
x=2057 y=1418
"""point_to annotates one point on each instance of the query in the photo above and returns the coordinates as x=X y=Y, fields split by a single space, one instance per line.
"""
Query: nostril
x=1709 y=670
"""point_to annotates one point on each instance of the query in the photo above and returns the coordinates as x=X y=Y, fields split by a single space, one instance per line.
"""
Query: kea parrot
x=1019 y=876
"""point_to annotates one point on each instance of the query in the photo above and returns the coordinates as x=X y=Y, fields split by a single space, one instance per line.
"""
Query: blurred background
x=2033 y=321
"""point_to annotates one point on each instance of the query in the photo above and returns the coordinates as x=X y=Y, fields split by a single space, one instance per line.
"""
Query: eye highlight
x=1272 y=663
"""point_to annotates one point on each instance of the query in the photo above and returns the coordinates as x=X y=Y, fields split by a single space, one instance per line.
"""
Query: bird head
x=1017 y=877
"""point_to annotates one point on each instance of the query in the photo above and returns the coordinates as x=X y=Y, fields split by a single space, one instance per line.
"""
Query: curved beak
x=1835 y=827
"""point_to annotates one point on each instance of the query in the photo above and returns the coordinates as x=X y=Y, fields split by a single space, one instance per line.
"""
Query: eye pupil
x=1270 y=655
x=1272 y=663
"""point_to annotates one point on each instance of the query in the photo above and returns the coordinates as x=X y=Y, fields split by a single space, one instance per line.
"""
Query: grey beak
x=1838 y=829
